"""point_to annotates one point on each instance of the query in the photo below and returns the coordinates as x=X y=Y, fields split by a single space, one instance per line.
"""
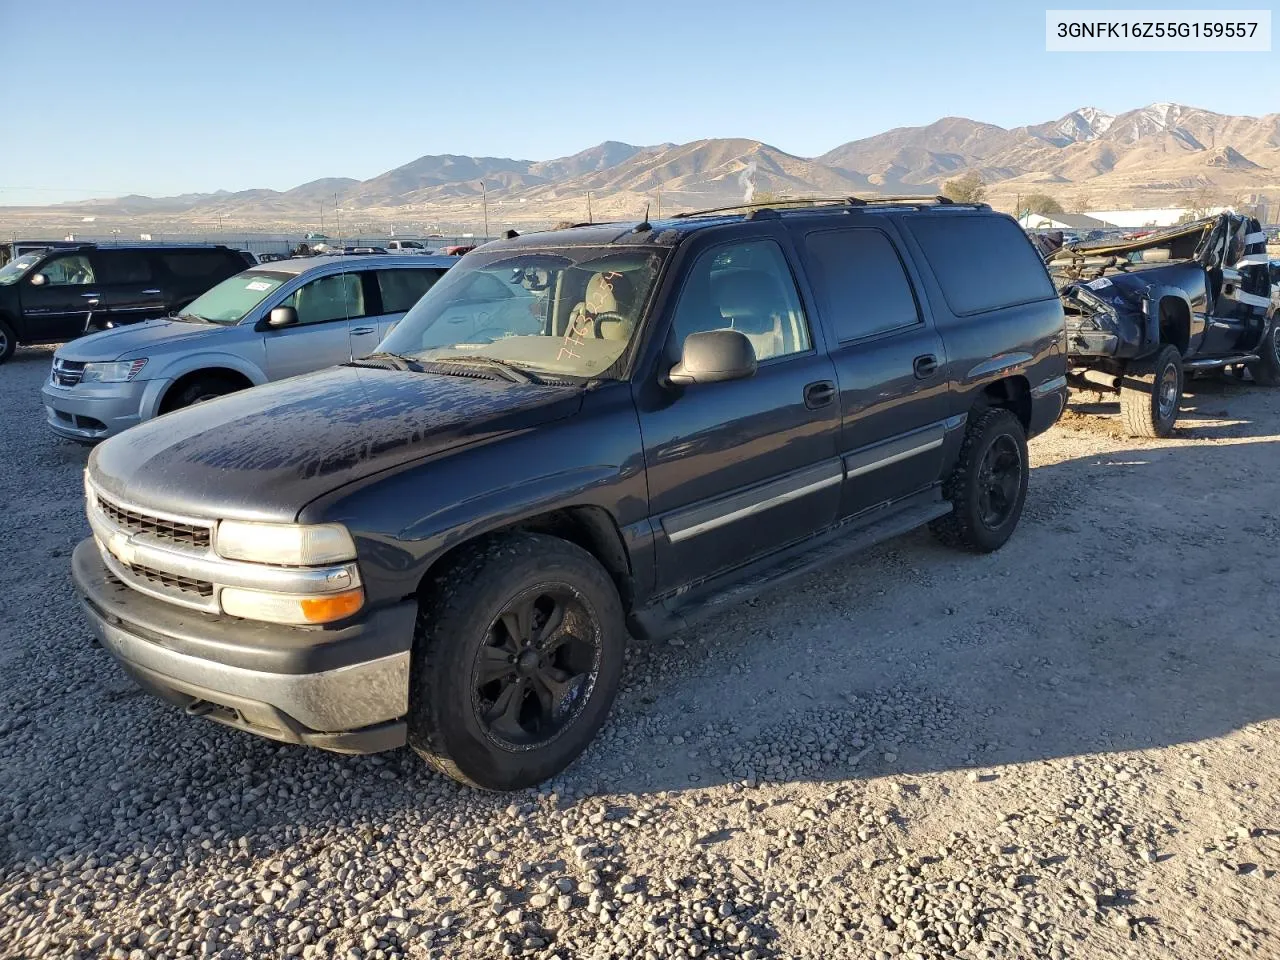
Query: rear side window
x=202 y=264
x=982 y=262
x=123 y=266
x=401 y=289
x=860 y=282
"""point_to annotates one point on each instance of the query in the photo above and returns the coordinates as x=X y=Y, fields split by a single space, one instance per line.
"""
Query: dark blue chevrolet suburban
x=574 y=436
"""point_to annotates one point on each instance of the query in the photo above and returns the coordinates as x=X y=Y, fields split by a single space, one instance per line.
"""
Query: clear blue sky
x=127 y=96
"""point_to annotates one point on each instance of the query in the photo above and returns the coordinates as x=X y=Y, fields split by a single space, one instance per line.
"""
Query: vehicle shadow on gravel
x=1128 y=612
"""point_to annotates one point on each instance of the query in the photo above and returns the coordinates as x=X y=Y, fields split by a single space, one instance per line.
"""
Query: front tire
x=988 y=485
x=1150 y=394
x=517 y=657
x=8 y=340
x=198 y=391
x=1266 y=369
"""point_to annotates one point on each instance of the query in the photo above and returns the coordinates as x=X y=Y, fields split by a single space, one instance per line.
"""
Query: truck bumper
x=345 y=690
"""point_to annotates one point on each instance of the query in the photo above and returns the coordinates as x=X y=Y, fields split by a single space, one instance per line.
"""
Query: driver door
x=59 y=308
x=321 y=338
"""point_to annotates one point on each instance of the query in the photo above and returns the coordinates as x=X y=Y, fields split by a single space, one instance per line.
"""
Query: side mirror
x=39 y=280
x=714 y=356
x=282 y=317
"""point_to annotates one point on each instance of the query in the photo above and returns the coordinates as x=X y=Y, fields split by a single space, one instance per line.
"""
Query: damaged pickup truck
x=1143 y=313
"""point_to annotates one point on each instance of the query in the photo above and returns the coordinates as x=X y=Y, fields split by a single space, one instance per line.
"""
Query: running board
x=1216 y=363
x=684 y=610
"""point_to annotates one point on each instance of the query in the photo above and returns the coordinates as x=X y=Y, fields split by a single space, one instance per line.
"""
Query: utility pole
x=484 y=202
x=659 y=201
x=589 y=220
x=322 y=218
x=337 y=218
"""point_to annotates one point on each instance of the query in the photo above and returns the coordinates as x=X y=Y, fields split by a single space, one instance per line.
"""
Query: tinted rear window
x=123 y=266
x=860 y=282
x=401 y=289
x=213 y=264
x=982 y=262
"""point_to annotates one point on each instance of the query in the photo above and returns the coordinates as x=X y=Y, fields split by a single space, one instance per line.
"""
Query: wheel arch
x=591 y=527
x=224 y=372
x=1012 y=393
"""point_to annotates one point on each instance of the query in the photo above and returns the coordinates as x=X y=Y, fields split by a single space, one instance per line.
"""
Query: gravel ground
x=1066 y=749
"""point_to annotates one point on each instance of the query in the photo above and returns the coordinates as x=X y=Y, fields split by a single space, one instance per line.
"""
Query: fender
x=193 y=363
x=466 y=492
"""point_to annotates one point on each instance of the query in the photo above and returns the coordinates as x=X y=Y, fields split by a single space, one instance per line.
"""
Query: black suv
x=52 y=296
x=573 y=435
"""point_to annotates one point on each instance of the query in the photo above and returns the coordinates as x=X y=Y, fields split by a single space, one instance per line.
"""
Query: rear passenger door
x=889 y=360
x=189 y=273
x=399 y=289
x=131 y=288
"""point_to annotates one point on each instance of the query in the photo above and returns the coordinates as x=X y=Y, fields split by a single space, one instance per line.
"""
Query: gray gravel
x=1068 y=749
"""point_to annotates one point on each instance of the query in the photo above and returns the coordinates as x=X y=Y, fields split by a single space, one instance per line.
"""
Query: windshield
x=232 y=299
x=14 y=269
x=570 y=311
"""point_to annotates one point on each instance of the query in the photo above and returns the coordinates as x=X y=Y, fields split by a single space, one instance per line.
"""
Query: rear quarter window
x=981 y=262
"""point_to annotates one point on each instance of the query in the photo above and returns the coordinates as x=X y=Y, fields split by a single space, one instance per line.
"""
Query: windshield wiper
x=513 y=372
x=383 y=361
x=192 y=318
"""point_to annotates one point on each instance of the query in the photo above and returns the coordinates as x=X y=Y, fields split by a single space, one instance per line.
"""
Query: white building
x=1061 y=221
x=1150 y=217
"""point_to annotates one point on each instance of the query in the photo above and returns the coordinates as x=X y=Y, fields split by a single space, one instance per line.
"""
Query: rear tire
x=1150 y=394
x=8 y=341
x=198 y=391
x=988 y=485
x=1266 y=369
x=505 y=691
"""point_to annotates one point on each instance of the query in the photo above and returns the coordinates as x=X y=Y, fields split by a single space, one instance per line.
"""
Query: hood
x=266 y=452
x=135 y=339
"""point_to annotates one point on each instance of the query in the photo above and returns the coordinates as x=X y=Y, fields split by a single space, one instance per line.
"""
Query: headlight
x=117 y=371
x=288 y=544
x=285 y=608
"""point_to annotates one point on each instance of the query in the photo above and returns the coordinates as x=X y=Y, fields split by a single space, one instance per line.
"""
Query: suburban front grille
x=170 y=581
x=173 y=531
x=67 y=373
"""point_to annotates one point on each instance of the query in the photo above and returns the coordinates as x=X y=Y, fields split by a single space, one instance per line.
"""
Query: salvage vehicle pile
x=579 y=468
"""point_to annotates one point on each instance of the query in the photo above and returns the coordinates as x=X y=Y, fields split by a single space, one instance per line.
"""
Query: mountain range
x=1157 y=155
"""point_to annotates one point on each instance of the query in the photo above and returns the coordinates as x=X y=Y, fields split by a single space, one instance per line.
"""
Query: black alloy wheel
x=536 y=668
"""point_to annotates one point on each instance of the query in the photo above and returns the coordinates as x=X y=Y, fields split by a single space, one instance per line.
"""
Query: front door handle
x=362 y=330
x=151 y=293
x=90 y=296
x=926 y=366
x=819 y=394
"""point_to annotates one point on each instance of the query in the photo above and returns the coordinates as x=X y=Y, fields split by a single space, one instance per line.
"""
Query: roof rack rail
x=815 y=201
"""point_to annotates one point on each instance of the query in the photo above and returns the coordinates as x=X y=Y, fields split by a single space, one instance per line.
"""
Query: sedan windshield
x=14 y=269
x=568 y=311
x=231 y=300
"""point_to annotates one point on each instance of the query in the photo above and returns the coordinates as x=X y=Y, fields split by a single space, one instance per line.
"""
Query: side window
x=748 y=287
x=200 y=264
x=982 y=262
x=69 y=271
x=860 y=282
x=123 y=266
x=335 y=297
x=401 y=289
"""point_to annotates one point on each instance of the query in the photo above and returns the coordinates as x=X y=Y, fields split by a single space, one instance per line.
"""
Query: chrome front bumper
x=345 y=690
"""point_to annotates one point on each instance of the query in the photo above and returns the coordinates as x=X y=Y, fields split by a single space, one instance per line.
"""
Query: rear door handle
x=819 y=394
x=362 y=330
x=90 y=296
x=926 y=366
x=150 y=293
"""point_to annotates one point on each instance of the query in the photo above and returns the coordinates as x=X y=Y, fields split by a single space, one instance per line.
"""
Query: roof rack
x=815 y=201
